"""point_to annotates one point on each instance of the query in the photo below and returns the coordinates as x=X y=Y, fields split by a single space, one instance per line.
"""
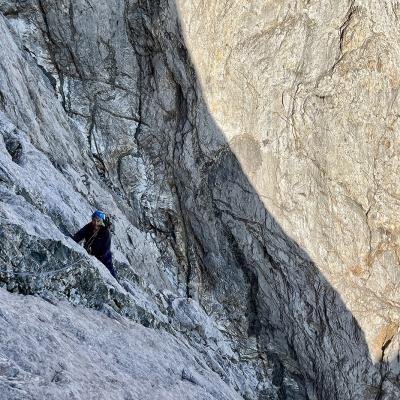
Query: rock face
x=62 y=355
x=248 y=156
x=306 y=96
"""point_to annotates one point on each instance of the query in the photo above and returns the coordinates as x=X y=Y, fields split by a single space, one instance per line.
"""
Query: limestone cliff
x=247 y=151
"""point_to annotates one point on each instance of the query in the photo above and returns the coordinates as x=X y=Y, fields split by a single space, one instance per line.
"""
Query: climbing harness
x=88 y=245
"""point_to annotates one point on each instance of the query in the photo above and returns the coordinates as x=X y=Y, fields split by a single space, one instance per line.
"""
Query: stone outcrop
x=247 y=153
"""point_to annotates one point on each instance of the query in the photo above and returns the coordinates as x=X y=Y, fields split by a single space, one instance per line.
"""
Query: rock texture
x=306 y=94
x=76 y=353
x=248 y=155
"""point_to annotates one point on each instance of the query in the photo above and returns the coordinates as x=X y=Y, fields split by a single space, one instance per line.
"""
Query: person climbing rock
x=97 y=239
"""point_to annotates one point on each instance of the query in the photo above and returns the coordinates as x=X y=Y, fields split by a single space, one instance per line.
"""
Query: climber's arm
x=80 y=235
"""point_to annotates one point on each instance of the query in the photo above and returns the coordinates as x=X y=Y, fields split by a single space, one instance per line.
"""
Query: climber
x=97 y=240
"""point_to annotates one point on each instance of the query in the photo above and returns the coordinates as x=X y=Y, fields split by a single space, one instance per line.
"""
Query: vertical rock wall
x=306 y=94
x=244 y=172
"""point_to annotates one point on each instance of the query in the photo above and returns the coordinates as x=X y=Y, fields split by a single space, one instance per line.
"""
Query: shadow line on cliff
x=296 y=315
x=237 y=254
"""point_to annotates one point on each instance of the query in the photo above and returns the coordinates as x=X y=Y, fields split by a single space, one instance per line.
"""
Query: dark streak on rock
x=51 y=46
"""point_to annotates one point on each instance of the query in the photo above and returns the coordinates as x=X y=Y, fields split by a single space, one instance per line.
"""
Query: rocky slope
x=249 y=182
x=60 y=351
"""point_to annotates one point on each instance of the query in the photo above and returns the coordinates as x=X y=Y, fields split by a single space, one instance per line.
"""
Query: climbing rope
x=45 y=273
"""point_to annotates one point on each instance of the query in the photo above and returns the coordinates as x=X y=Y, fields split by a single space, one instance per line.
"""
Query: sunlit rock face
x=306 y=94
x=224 y=140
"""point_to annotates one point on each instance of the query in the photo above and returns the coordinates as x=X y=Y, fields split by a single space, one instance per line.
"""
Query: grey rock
x=78 y=353
x=250 y=224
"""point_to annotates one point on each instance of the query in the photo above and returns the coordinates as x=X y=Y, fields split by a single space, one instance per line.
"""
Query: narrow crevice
x=253 y=318
x=383 y=369
x=74 y=39
x=51 y=45
x=75 y=62
x=342 y=32
x=129 y=118
x=111 y=62
x=145 y=45
x=141 y=77
x=94 y=148
x=2 y=101
x=345 y=25
x=92 y=124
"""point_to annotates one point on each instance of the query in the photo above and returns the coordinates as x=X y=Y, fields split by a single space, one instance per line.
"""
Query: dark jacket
x=98 y=245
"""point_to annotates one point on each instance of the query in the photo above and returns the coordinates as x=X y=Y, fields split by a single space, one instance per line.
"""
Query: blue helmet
x=99 y=214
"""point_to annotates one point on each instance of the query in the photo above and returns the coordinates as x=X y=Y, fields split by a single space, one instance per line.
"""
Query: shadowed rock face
x=101 y=107
x=306 y=94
